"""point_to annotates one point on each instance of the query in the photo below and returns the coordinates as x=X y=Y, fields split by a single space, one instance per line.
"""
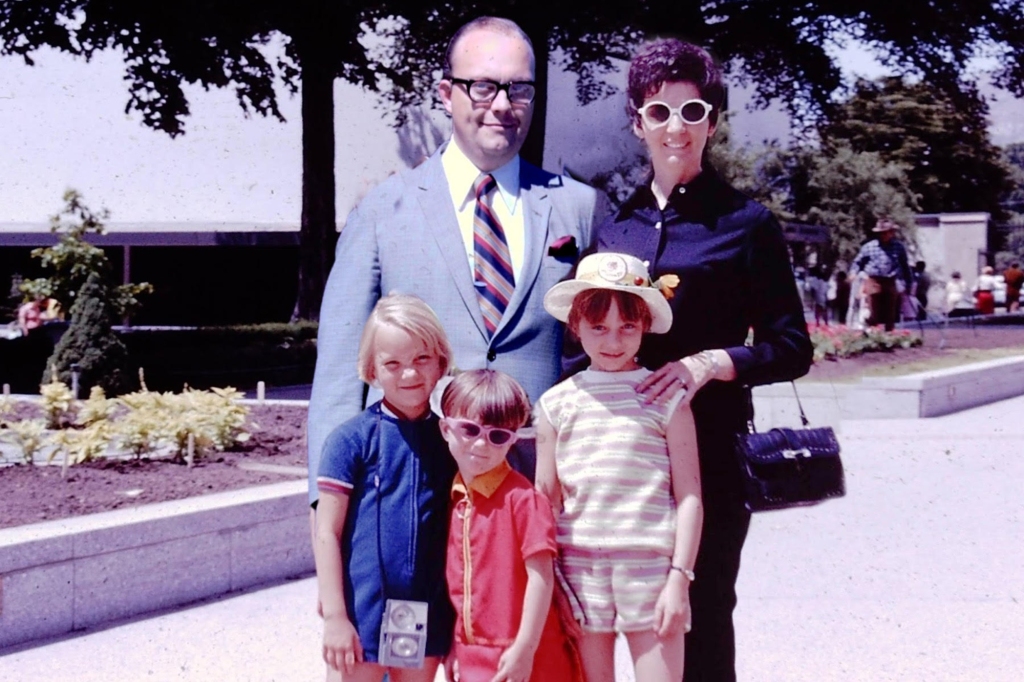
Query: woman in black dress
x=734 y=275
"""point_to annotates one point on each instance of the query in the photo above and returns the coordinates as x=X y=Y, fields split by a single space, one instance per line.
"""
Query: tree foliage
x=847 y=190
x=73 y=260
x=943 y=144
x=395 y=47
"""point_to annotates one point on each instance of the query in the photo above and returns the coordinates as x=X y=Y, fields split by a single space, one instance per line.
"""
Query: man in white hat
x=884 y=261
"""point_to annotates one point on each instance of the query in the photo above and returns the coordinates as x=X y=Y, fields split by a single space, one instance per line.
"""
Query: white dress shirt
x=462 y=176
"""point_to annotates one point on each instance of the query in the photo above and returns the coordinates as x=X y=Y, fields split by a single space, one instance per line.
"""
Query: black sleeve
x=782 y=349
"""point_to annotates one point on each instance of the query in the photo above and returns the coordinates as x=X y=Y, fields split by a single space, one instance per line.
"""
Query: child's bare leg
x=597 y=649
x=657 y=659
x=363 y=672
x=425 y=674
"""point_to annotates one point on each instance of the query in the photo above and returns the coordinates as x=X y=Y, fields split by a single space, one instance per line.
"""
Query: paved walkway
x=918 y=574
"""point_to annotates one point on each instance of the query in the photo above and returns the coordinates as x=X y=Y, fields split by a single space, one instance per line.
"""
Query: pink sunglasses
x=470 y=430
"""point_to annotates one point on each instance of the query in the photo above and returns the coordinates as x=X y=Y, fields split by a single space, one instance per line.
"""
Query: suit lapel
x=434 y=197
x=536 y=218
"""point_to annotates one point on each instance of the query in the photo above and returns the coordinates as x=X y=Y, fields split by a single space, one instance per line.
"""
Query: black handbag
x=785 y=468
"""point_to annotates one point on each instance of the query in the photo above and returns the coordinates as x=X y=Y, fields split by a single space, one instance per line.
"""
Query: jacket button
x=491 y=355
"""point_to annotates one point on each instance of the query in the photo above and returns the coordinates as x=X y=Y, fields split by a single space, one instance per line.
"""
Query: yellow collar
x=485 y=484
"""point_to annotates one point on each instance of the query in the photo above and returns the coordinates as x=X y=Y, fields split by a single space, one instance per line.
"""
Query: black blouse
x=730 y=256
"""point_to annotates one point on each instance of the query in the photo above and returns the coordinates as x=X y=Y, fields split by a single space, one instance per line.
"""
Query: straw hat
x=618 y=272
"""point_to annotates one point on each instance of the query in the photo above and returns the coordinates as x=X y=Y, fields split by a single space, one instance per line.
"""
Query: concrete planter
x=60 y=576
x=910 y=396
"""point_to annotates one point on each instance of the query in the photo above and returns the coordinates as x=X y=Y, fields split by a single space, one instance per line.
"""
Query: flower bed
x=834 y=342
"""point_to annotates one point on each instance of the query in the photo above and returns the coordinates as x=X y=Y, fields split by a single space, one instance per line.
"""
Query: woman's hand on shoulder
x=342 y=649
x=672 y=610
x=689 y=374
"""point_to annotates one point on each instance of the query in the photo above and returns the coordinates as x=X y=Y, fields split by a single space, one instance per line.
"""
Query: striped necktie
x=493 y=272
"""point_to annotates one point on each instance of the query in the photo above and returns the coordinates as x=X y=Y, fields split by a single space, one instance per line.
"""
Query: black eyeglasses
x=483 y=91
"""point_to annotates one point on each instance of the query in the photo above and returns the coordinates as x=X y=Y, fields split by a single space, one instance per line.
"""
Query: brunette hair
x=593 y=305
x=491 y=397
x=411 y=315
x=669 y=60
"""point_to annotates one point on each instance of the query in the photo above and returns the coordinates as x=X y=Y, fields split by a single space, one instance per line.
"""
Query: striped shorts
x=613 y=591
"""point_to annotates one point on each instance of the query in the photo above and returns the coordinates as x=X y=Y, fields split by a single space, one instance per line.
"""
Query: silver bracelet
x=713 y=360
x=685 y=571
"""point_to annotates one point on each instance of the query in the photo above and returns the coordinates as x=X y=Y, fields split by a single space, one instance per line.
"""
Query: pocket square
x=564 y=247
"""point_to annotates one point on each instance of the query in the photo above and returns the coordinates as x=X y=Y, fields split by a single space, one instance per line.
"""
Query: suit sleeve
x=353 y=288
x=782 y=349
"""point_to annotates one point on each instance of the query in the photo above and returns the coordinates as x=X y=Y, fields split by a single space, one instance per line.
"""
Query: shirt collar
x=696 y=189
x=462 y=176
x=485 y=484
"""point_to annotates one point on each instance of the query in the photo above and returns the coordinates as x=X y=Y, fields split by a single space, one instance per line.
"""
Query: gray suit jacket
x=404 y=237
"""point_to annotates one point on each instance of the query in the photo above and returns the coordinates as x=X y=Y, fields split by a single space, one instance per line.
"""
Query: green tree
x=394 y=46
x=91 y=344
x=847 y=190
x=72 y=260
x=943 y=143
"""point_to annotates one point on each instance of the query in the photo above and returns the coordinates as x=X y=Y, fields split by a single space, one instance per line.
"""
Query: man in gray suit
x=419 y=232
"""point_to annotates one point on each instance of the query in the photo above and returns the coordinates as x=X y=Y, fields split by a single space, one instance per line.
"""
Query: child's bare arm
x=516 y=662
x=546 y=476
x=673 y=607
x=341 y=642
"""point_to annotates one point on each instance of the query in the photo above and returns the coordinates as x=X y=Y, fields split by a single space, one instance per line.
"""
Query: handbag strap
x=750 y=409
x=803 y=417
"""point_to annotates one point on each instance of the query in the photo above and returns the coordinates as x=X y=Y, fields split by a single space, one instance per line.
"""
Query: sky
x=63 y=125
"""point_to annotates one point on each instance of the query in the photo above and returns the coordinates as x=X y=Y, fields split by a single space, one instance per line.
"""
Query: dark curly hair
x=669 y=60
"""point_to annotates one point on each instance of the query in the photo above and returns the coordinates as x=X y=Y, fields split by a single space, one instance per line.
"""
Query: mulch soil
x=29 y=494
x=32 y=494
x=952 y=341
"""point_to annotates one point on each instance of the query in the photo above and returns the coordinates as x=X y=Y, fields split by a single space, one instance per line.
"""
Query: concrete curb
x=910 y=396
x=60 y=576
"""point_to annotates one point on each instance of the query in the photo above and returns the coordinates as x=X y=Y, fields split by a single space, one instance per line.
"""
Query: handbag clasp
x=795 y=454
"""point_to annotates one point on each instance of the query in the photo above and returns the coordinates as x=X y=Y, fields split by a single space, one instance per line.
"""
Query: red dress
x=497 y=522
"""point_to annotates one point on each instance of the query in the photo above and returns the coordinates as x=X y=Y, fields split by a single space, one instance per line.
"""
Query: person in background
x=984 y=288
x=1014 y=278
x=30 y=316
x=817 y=289
x=922 y=283
x=841 y=301
x=956 y=292
x=884 y=261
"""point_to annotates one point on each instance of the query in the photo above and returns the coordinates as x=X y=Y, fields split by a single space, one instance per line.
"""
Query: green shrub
x=73 y=260
x=90 y=343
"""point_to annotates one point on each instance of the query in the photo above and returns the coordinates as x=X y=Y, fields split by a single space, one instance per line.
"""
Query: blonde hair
x=411 y=315
x=493 y=398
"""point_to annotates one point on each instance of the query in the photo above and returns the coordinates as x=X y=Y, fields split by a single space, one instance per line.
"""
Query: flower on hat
x=667 y=284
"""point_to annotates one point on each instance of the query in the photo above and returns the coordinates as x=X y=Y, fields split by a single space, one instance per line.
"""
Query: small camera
x=403 y=634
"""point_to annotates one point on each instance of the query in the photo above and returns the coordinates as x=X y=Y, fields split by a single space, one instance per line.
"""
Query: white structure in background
x=950 y=242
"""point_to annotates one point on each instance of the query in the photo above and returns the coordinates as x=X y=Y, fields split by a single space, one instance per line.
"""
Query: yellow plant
x=29 y=435
x=97 y=408
x=213 y=419
x=82 y=445
x=140 y=429
x=57 y=402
